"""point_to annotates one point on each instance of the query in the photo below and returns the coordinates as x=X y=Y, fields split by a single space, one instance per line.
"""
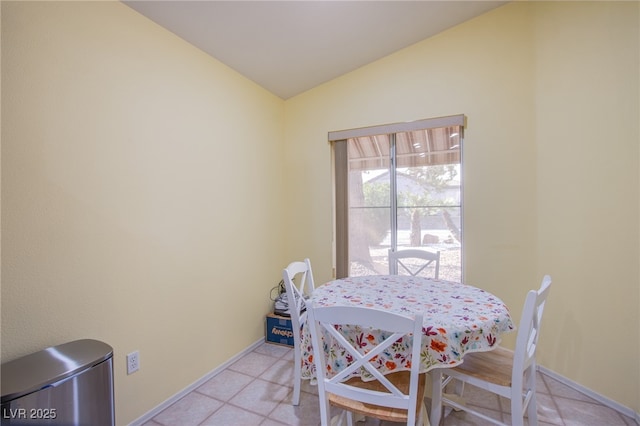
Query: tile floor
x=256 y=390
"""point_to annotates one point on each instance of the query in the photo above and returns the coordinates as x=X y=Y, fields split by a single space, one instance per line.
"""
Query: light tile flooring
x=257 y=388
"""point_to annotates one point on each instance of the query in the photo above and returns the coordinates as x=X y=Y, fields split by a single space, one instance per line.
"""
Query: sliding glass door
x=399 y=190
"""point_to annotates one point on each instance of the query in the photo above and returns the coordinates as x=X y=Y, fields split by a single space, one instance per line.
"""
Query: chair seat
x=396 y=397
x=400 y=379
x=510 y=374
x=494 y=366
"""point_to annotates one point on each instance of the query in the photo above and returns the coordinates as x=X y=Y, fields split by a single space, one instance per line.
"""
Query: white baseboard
x=155 y=411
x=591 y=394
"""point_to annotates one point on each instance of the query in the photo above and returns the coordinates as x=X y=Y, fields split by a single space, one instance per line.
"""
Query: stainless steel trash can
x=69 y=384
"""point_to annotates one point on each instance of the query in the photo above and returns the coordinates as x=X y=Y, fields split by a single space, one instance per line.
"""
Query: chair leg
x=436 y=397
x=297 y=361
x=424 y=417
x=349 y=418
x=519 y=403
x=459 y=387
x=458 y=394
x=339 y=420
x=532 y=407
x=532 y=410
x=325 y=413
x=517 y=414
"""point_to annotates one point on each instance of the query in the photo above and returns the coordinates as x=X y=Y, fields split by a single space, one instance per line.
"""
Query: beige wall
x=551 y=155
x=119 y=142
x=140 y=196
x=587 y=115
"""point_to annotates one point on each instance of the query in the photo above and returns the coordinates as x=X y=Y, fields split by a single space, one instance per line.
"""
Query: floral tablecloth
x=457 y=319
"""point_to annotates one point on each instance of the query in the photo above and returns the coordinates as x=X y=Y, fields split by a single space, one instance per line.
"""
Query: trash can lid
x=41 y=369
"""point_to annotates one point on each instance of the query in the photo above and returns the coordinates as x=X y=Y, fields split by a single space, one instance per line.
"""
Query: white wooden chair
x=299 y=285
x=396 y=397
x=501 y=371
x=398 y=258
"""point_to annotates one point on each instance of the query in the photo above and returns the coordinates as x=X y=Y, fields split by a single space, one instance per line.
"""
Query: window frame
x=338 y=140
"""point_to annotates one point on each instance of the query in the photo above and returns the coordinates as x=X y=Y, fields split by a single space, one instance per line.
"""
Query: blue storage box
x=279 y=330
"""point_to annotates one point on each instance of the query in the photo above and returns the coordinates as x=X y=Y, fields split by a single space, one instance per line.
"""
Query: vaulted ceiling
x=289 y=47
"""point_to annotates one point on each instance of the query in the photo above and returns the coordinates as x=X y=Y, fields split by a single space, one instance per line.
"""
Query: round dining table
x=457 y=319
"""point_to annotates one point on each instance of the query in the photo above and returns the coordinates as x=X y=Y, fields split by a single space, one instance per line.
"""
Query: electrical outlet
x=133 y=362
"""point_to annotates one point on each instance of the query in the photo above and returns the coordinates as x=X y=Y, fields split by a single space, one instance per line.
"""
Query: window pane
x=369 y=221
x=432 y=229
x=428 y=187
x=423 y=187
